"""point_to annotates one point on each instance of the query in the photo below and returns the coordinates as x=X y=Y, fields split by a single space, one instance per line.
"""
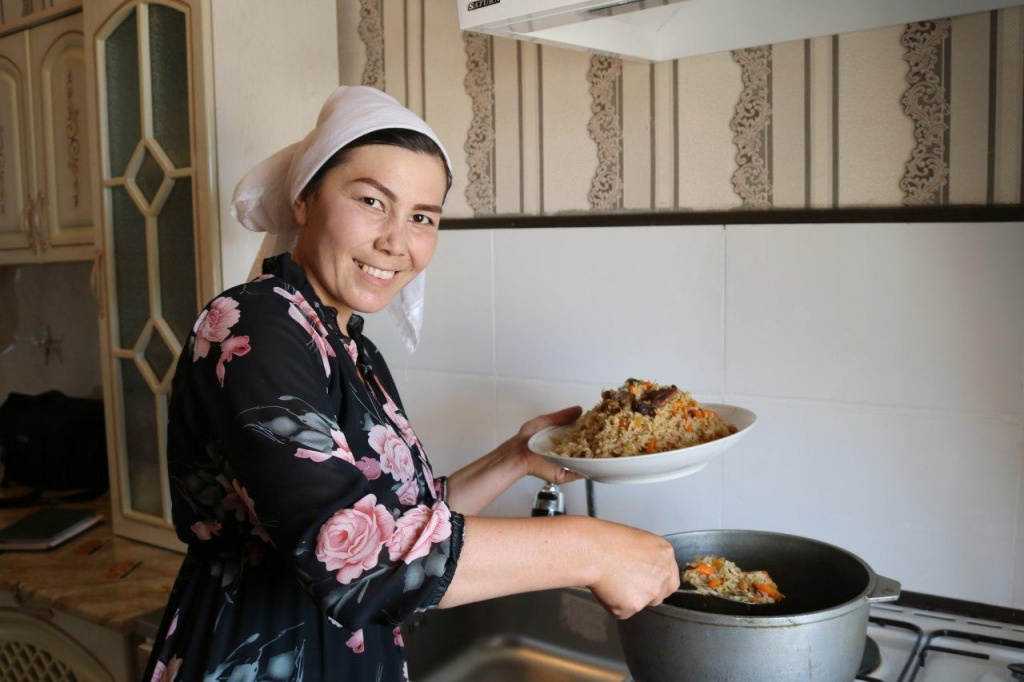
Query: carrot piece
x=704 y=569
x=715 y=582
x=768 y=591
x=651 y=444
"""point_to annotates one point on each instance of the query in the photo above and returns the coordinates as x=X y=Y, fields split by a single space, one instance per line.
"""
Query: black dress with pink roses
x=314 y=524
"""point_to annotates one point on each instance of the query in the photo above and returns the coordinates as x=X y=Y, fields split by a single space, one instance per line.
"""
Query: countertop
x=97 y=576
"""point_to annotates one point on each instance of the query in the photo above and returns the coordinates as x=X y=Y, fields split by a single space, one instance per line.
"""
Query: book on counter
x=47 y=528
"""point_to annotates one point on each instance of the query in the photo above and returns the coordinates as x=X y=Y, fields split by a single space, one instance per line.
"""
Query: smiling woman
x=314 y=522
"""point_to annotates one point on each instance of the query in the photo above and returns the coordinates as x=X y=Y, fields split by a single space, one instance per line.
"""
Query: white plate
x=661 y=466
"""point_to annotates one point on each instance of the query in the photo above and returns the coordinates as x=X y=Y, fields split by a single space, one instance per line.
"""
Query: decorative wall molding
x=605 y=128
x=479 y=147
x=752 y=180
x=926 y=103
x=371 y=32
x=71 y=130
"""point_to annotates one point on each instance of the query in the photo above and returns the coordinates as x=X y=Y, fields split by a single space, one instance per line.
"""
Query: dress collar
x=291 y=272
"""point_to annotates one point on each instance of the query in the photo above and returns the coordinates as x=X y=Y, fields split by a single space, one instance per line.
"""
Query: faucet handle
x=550 y=501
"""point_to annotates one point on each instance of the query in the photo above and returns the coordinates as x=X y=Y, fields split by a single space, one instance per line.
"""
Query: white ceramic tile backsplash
x=452 y=414
x=602 y=304
x=921 y=315
x=908 y=490
x=885 y=363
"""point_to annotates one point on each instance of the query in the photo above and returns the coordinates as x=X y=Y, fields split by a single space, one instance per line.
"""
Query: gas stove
x=927 y=639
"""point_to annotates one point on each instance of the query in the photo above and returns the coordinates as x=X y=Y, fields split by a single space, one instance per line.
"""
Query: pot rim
x=683 y=613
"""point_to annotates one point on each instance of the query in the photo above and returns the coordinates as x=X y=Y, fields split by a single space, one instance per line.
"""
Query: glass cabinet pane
x=122 y=85
x=141 y=436
x=169 y=73
x=130 y=267
x=177 y=260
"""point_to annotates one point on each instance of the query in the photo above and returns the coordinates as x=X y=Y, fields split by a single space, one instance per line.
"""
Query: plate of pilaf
x=643 y=432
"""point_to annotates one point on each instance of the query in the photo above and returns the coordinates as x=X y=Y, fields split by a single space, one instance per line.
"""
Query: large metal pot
x=816 y=633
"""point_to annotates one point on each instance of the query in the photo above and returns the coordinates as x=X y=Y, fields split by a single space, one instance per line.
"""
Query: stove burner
x=1017 y=669
x=872 y=657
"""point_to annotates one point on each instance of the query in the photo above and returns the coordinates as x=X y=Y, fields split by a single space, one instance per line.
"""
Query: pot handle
x=886 y=589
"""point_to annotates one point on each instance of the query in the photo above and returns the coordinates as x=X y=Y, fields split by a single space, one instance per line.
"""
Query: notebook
x=47 y=528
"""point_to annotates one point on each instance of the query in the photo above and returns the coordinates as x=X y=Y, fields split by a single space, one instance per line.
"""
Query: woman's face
x=371 y=227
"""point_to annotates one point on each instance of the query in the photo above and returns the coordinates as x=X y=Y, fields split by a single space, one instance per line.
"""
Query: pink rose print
x=302 y=304
x=260 y=278
x=341 y=450
x=229 y=348
x=319 y=341
x=257 y=527
x=231 y=500
x=174 y=623
x=417 y=530
x=409 y=492
x=350 y=541
x=205 y=531
x=395 y=457
x=370 y=468
x=168 y=673
x=353 y=351
x=355 y=642
x=398 y=636
x=391 y=409
x=214 y=325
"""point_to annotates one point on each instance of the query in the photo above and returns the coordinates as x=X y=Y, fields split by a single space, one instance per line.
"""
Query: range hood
x=657 y=30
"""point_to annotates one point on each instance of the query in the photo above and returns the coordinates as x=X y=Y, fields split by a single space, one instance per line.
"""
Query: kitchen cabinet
x=46 y=177
x=158 y=230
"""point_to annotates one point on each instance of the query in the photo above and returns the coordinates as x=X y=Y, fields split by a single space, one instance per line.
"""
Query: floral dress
x=313 y=522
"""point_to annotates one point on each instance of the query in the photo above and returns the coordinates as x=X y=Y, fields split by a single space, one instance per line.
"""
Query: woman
x=314 y=523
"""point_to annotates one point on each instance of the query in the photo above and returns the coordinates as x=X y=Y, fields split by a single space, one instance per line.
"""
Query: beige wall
x=926 y=113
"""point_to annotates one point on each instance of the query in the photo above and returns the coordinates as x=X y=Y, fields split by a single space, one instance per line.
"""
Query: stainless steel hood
x=658 y=30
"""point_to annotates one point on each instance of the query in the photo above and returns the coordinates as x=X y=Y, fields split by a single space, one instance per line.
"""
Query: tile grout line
x=494 y=341
x=1015 y=595
x=725 y=366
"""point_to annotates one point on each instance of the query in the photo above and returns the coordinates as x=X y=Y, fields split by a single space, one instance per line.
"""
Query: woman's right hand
x=634 y=569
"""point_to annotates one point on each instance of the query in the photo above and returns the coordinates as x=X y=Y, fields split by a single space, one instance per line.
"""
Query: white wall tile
x=452 y=414
x=458 y=327
x=603 y=304
x=925 y=498
x=921 y=314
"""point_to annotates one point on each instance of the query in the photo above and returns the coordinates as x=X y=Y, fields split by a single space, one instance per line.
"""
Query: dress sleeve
x=262 y=366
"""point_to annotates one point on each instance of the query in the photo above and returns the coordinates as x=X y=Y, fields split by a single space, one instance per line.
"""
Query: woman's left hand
x=476 y=485
x=534 y=465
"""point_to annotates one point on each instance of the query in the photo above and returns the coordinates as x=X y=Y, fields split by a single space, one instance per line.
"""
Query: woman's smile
x=375 y=274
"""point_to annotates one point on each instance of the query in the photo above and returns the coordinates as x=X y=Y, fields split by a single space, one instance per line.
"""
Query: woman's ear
x=300 y=209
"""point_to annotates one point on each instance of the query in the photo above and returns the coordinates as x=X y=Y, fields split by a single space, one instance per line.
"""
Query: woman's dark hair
x=412 y=140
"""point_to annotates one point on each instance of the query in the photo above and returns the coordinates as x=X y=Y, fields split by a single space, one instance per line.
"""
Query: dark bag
x=53 y=442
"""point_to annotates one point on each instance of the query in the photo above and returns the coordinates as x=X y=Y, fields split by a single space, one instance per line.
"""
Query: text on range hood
x=658 y=30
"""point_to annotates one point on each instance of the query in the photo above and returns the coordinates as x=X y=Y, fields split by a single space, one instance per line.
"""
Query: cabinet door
x=157 y=224
x=15 y=117
x=63 y=177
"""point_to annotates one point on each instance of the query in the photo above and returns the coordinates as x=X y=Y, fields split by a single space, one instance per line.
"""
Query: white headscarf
x=263 y=199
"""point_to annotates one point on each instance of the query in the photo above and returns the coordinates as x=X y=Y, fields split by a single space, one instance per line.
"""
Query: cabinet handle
x=42 y=236
x=96 y=283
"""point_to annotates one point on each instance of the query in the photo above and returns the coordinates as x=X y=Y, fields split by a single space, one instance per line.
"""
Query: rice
x=721 y=577
x=642 y=418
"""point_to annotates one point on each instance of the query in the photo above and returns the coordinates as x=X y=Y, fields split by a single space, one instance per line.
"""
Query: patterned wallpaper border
x=928 y=161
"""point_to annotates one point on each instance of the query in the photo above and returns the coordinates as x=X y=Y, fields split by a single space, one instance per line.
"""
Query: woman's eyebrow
x=431 y=208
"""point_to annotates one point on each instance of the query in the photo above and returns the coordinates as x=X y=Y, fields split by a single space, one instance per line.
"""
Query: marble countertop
x=97 y=576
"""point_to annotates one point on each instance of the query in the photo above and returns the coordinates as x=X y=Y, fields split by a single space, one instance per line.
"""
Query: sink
x=550 y=636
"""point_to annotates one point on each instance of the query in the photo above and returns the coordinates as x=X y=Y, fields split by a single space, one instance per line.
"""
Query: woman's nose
x=392 y=237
